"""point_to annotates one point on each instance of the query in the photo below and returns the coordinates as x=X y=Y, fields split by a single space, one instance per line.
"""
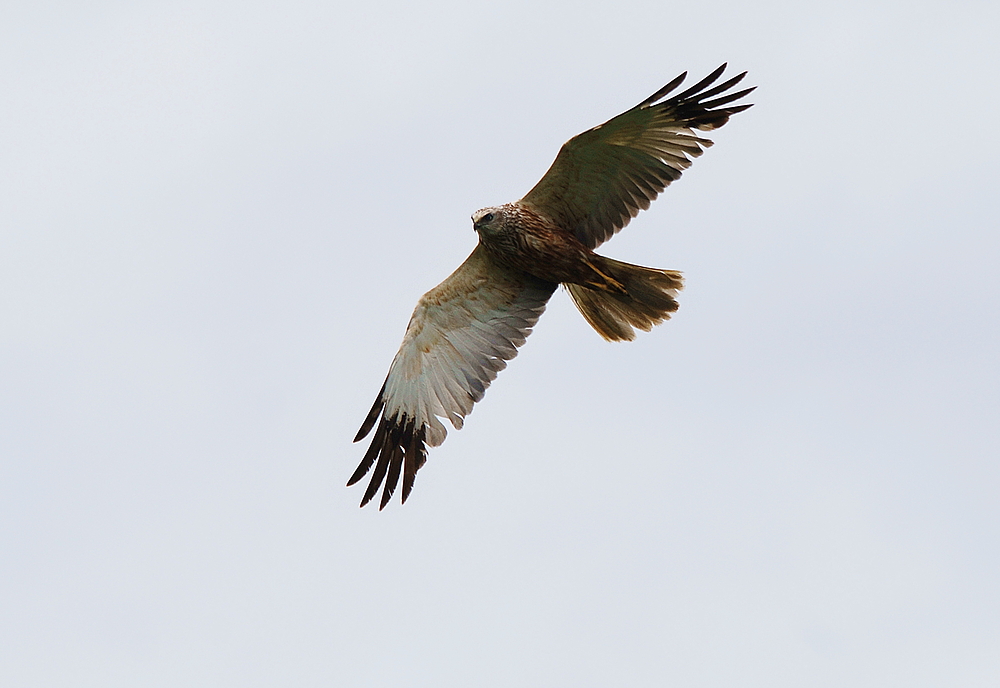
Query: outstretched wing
x=461 y=334
x=602 y=178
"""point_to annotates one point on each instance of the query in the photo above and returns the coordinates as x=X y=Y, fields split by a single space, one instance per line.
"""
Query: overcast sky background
x=216 y=218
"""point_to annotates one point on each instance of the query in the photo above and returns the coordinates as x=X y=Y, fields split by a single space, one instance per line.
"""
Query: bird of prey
x=463 y=331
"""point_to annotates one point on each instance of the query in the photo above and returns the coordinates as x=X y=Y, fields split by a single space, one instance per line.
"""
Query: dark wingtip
x=707 y=81
x=677 y=81
x=370 y=456
x=399 y=449
x=415 y=456
x=723 y=100
x=378 y=475
x=399 y=439
x=704 y=108
x=373 y=415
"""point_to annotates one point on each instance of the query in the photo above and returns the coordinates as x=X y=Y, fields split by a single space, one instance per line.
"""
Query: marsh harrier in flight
x=463 y=332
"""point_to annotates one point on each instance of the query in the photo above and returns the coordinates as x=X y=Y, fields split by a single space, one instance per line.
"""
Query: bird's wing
x=602 y=178
x=461 y=334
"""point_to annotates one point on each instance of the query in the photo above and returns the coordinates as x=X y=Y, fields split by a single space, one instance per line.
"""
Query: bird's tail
x=649 y=297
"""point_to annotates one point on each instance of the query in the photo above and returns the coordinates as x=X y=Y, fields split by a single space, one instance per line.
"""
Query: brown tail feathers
x=649 y=299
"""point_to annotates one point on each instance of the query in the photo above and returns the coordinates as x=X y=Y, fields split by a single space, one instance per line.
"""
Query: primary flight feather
x=463 y=332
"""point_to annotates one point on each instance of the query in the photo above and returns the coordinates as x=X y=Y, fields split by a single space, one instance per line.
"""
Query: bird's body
x=522 y=239
x=464 y=331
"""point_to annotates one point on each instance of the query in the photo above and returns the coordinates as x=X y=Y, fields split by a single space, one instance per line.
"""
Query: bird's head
x=484 y=217
x=490 y=221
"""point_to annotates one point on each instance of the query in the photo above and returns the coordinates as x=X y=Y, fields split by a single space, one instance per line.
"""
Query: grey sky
x=216 y=218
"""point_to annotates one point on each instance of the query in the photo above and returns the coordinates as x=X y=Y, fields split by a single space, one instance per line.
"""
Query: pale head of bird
x=484 y=218
x=495 y=220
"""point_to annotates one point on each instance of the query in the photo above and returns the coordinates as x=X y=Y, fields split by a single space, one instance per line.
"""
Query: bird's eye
x=488 y=217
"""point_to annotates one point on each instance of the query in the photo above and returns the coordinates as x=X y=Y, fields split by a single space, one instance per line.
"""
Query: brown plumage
x=613 y=296
x=464 y=331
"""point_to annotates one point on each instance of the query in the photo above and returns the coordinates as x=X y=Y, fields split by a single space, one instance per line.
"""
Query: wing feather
x=593 y=188
x=461 y=334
